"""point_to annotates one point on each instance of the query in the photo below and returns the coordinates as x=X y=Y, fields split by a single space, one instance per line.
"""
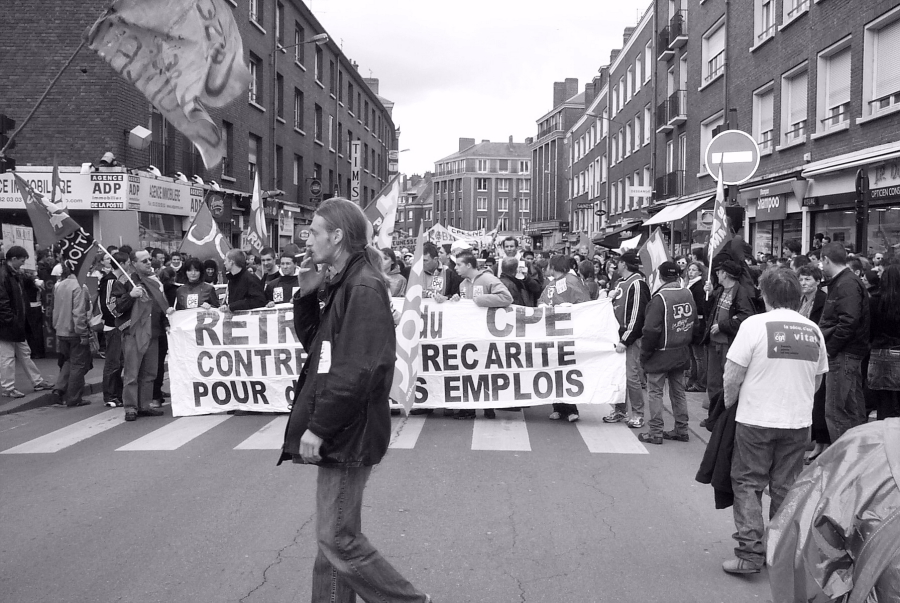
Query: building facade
x=414 y=208
x=484 y=185
x=305 y=105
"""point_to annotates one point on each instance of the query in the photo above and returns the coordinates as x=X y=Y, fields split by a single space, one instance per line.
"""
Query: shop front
x=680 y=222
x=547 y=235
x=774 y=214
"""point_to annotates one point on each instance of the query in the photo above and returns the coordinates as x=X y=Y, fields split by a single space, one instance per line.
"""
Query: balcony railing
x=163 y=157
x=670 y=185
x=765 y=141
x=678 y=32
x=192 y=163
x=715 y=67
x=836 y=115
x=797 y=132
x=662 y=43
x=662 y=117
x=677 y=108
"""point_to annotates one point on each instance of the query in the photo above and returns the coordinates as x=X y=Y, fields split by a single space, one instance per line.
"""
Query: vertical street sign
x=354 y=171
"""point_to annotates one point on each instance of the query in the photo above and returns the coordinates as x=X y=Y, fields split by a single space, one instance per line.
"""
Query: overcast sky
x=480 y=69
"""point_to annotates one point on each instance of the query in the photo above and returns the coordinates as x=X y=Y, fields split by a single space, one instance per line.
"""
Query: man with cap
x=665 y=352
x=731 y=305
x=630 y=299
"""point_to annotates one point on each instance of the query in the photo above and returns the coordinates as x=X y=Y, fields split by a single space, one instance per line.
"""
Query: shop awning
x=613 y=239
x=847 y=161
x=797 y=186
x=670 y=213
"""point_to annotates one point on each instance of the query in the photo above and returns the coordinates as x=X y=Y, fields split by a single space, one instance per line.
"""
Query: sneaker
x=678 y=437
x=489 y=413
x=110 y=403
x=572 y=417
x=131 y=414
x=704 y=422
x=150 y=412
x=465 y=414
x=13 y=393
x=615 y=417
x=555 y=416
x=155 y=403
x=635 y=422
x=647 y=438
x=59 y=404
x=740 y=566
x=43 y=386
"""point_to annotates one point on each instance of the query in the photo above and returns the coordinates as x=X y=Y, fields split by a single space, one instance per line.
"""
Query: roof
x=492 y=149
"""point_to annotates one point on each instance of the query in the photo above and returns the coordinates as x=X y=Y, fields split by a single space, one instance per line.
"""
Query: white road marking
x=270 y=437
x=405 y=431
x=507 y=432
x=72 y=434
x=600 y=437
x=732 y=157
x=177 y=433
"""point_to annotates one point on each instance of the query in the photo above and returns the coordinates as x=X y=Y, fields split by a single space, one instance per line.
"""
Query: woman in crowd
x=812 y=302
x=196 y=293
x=210 y=272
x=586 y=271
x=884 y=360
x=395 y=280
x=694 y=280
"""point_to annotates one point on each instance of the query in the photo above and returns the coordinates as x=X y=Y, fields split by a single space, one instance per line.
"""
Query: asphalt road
x=188 y=511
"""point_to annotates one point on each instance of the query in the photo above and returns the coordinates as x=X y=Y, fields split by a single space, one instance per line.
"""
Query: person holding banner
x=281 y=289
x=195 y=293
x=245 y=291
x=341 y=419
x=439 y=282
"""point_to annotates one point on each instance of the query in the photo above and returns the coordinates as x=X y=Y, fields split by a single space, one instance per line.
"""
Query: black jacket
x=741 y=308
x=668 y=330
x=815 y=314
x=13 y=308
x=520 y=295
x=700 y=304
x=715 y=468
x=885 y=329
x=106 y=300
x=845 y=319
x=346 y=402
x=245 y=291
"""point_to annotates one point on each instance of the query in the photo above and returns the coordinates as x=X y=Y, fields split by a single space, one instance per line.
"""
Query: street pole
x=862 y=211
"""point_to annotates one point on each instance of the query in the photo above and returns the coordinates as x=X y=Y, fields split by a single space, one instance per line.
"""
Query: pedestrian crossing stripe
x=508 y=432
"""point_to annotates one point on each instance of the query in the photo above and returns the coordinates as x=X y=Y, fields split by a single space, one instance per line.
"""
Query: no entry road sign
x=736 y=152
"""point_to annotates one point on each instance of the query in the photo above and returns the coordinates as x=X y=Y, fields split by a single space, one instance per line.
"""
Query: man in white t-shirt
x=774 y=367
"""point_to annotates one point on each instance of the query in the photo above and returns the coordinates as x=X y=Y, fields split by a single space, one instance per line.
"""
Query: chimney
x=613 y=55
x=571 y=87
x=465 y=143
x=483 y=140
x=626 y=35
x=372 y=83
x=589 y=93
x=559 y=93
x=510 y=139
x=529 y=140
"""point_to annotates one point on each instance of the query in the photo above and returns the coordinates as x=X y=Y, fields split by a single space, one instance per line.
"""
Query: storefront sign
x=108 y=190
x=23 y=236
x=74 y=190
x=286 y=224
x=771 y=208
x=886 y=192
x=165 y=197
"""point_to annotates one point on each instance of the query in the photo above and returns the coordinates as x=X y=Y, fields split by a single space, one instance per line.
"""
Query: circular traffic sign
x=315 y=187
x=735 y=153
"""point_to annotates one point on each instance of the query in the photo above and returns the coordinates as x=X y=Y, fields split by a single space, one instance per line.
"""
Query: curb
x=45 y=398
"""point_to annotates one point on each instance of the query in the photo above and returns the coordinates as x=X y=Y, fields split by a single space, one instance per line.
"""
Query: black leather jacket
x=845 y=319
x=345 y=384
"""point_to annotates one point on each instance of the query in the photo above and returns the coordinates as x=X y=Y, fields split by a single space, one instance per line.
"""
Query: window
x=706 y=134
x=615 y=149
x=524 y=205
x=765 y=19
x=794 y=8
x=647 y=177
x=763 y=118
x=833 y=104
x=481 y=184
x=279 y=91
x=604 y=168
x=682 y=157
x=320 y=65
x=629 y=83
x=793 y=104
x=279 y=167
x=365 y=156
x=349 y=143
x=480 y=223
x=298 y=170
x=256 y=14
x=366 y=115
x=254 y=144
x=279 y=24
x=647 y=124
x=670 y=156
x=504 y=223
x=340 y=137
x=648 y=61
x=256 y=83
x=481 y=203
x=503 y=166
x=524 y=186
x=881 y=64
x=317 y=131
x=524 y=167
x=228 y=145
x=604 y=123
x=713 y=48
x=350 y=97
x=332 y=80
x=628 y=129
x=428 y=215
x=637 y=74
x=340 y=86
x=638 y=133
x=482 y=166
x=502 y=203
x=331 y=132
x=298 y=42
x=503 y=185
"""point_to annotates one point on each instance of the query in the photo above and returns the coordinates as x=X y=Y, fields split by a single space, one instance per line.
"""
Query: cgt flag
x=203 y=239
x=257 y=234
x=403 y=388
x=382 y=211
x=182 y=55
x=719 y=234
x=50 y=222
x=653 y=253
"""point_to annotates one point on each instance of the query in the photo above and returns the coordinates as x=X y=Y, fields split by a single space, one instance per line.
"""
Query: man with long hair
x=340 y=419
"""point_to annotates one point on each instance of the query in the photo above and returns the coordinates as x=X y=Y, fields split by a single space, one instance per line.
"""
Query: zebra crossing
x=509 y=432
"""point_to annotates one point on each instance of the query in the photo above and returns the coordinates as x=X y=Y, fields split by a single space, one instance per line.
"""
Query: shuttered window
x=838 y=75
x=886 y=55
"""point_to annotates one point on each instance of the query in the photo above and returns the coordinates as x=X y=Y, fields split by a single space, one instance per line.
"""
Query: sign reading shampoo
x=769 y=208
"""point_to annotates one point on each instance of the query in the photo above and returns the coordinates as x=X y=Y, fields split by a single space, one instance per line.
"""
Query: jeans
x=633 y=377
x=139 y=373
x=655 y=384
x=10 y=351
x=845 y=406
x=347 y=564
x=34 y=333
x=716 y=354
x=763 y=456
x=76 y=363
x=112 y=369
x=697 y=376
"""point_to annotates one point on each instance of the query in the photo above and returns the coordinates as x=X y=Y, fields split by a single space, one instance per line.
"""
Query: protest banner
x=469 y=357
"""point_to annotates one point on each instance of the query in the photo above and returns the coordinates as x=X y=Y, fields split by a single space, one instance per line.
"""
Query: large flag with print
x=257 y=234
x=49 y=221
x=719 y=234
x=403 y=388
x=182 y=55
x=653 y=253
x=382 y=212
x=203 y=239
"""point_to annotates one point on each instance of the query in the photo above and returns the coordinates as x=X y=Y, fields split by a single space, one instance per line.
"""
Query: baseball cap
x=669 y=270
x=631 y=259
x=731 y=268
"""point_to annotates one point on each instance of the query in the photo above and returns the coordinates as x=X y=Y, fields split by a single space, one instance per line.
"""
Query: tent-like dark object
x=613 y=239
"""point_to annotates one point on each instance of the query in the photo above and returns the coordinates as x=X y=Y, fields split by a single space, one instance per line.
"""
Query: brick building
x=306 y=103
x=549 y=222
x=415 y=207
x=484 y=184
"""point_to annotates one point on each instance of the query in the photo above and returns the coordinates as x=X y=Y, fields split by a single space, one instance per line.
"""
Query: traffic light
x=7 y=126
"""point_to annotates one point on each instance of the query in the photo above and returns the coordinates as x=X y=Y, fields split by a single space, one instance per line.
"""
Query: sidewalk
x=93 y=383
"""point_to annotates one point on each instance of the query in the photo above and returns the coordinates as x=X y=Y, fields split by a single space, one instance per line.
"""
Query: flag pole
x=721 y=186
x=118 y=265
x=43 y=97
